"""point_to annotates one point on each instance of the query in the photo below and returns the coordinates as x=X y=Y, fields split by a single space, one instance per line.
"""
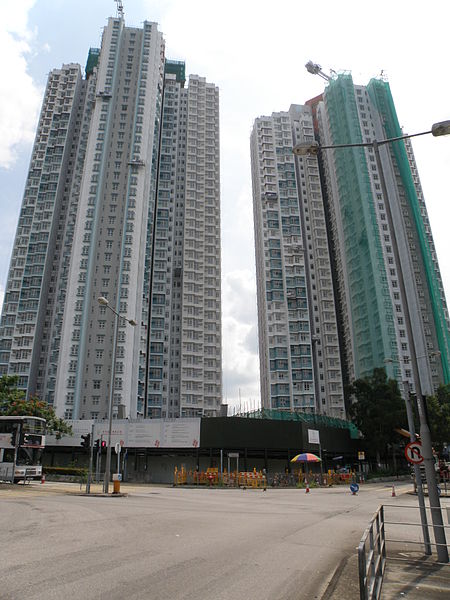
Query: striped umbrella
x=306 y=457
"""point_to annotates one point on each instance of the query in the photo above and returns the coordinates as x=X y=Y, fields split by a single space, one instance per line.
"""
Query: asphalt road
x=164 y=543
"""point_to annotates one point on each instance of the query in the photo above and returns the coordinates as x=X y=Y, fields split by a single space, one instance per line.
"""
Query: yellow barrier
x=211 y=477
x=257 y=479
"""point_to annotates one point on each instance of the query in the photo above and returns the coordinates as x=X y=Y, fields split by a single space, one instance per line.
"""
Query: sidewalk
x=71 y=488
x=415 y=578
x=407 y=576
x=344 y=584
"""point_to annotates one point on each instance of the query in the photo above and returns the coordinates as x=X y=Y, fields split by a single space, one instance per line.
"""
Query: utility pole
x=91 y=461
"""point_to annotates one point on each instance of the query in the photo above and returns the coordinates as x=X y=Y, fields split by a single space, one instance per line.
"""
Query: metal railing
x=5 y=476
x=372 y=558
x=383 y=534
x=443 y=487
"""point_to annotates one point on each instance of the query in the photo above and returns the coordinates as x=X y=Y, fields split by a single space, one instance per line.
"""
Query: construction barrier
x=258 y=479
x=212 y=478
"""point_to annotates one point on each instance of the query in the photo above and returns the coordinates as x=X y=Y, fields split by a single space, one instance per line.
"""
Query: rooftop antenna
x=120 y=12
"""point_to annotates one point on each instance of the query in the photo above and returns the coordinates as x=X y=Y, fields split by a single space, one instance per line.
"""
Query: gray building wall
x=300 y=365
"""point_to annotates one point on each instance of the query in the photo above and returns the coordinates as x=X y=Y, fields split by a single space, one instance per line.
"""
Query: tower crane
x=316 y=69
x=119 y=8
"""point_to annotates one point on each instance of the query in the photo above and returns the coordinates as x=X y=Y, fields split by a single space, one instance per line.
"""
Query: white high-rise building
x=122 y=201
x=300 y=366
x=32 y=315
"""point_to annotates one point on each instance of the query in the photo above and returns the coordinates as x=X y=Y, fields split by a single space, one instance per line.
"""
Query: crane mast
x=120 y=12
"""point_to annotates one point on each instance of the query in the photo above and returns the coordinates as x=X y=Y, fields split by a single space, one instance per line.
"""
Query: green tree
x=377 y=409
x=8 y=391
x=14 y=403
x=438 y=408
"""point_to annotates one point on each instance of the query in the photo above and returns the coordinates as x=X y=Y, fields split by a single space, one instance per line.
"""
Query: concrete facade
x=122 y=201
x=300 y=366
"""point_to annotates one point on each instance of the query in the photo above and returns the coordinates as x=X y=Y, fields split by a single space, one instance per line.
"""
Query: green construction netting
x=283 y=415
x=177 y=68
x=369 y=298
x=92 y=60
x=381 y=95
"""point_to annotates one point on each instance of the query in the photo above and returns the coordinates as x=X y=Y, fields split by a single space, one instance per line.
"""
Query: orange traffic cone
x=307 y=488
x=393 y=491
x=43 y=478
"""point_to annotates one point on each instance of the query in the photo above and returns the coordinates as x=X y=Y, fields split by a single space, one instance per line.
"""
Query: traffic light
x=86 y=440
x=103 y=444
x=97 y=444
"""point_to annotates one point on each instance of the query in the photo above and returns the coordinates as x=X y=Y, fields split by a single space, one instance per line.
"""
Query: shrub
x=389 y=472
x=74 y=471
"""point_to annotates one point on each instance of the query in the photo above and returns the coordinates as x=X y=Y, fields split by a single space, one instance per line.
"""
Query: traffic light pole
x=91 y=462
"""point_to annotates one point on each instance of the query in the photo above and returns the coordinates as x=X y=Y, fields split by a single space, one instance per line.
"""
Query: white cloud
x=240 y=354
x=21 y=98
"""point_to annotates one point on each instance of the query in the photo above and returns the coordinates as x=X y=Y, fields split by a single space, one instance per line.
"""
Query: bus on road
x=22 y=441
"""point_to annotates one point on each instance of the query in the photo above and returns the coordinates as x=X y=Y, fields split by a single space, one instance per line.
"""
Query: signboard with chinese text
x=139 y=433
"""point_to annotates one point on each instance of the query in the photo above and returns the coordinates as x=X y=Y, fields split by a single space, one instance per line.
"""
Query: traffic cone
x=43 y=478
x=307 y=488
x=393 y=491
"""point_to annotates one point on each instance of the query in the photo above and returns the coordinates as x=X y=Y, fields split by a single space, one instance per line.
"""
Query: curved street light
x=306 y=148
x=437 y=129
x=117 y=316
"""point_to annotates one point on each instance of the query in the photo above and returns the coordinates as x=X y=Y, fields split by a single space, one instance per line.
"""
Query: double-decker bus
x=22 y=441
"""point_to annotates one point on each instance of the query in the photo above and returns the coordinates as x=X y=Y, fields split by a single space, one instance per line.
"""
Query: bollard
x=307 y=488
x=116 y=483
x=43 y=478
x=393 y=491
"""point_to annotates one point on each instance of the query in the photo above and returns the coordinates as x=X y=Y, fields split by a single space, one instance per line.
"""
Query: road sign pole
x=97 y=465
x=118 y=449
x=91 y=461
x=417 y=475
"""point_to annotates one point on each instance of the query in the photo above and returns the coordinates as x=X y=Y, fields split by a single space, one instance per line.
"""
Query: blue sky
x=255 y=52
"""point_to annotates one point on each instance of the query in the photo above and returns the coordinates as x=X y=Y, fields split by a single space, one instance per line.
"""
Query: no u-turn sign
x=413 y=453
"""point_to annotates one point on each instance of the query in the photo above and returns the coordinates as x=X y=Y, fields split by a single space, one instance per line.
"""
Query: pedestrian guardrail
x=443 y=487
x=376 y=550
x=7 y=475
x=372 y=558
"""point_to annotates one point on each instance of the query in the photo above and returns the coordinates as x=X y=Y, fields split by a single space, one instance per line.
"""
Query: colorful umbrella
x=306 y=457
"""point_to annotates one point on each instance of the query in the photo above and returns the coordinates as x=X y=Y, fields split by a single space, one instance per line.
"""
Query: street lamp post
x=438 y=129
x=104 y=302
